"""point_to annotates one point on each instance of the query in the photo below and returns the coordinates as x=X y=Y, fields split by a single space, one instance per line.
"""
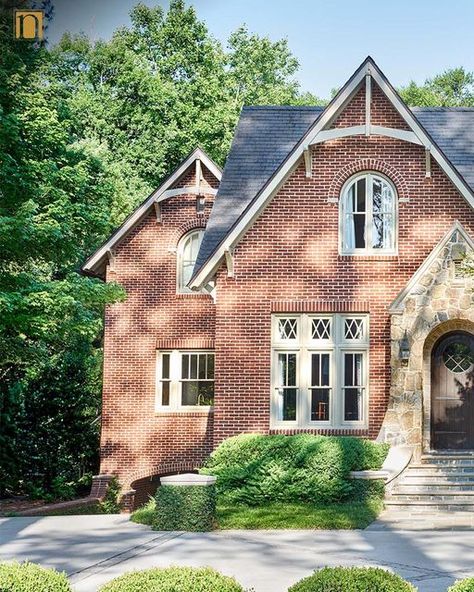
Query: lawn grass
x=279 y=515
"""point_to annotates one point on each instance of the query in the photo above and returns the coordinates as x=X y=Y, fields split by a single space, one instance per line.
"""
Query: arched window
x=368 y=215
x=188 y=249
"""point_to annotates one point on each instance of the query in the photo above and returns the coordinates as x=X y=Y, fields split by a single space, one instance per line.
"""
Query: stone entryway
x=438 y=301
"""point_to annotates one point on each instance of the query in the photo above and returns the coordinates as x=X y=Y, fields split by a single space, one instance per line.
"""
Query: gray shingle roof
x=265 y=136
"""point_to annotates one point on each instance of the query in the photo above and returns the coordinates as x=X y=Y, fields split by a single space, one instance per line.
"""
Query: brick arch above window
x=368 y=164
x=194 y=224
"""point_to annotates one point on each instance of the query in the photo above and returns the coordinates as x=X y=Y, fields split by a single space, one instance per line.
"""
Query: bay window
x=319 y=370
x=185 y=380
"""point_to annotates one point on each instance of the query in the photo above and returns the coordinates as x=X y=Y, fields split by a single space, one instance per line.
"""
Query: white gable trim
x=163 y=192
x=367 y=68
x=397 y=305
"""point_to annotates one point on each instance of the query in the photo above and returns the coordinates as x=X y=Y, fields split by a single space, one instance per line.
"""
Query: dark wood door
x=452 y=392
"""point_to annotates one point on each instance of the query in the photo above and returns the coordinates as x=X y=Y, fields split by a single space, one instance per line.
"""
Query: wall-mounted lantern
x=404 y=352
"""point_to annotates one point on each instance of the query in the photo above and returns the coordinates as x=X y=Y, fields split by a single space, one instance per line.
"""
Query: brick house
x=315 y=284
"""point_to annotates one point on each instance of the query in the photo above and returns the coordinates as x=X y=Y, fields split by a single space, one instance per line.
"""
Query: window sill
x=185 y=412
x=367 y=257
x=186 y=295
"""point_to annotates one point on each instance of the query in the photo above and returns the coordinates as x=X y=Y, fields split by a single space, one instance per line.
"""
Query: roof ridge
x=281 y=107
x=456 y=109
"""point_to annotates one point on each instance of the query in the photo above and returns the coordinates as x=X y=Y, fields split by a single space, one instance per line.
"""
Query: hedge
x=352 y=579
x=173 y=579
x=186 y=507
x=256 y=468
x=466 y=585
x=29 y=577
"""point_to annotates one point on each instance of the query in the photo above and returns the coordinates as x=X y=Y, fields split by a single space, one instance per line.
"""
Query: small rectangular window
x=197 y=379
x=320 y=386
x=287 y=388
x=287 y=328
x=185 y=379
x=354 y=329
x=200 y=204
x=353 y=386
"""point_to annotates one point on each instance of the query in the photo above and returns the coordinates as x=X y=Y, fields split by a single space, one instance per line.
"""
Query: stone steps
x=438 y=482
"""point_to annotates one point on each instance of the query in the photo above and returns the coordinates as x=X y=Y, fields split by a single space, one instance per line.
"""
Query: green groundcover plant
x=352 y=579
x=189 y=507
x=173 y=579
x=254 y=468
x=466 y=585
x=29 y=577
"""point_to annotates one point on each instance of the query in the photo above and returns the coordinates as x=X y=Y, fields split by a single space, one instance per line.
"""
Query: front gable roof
x=234 y=212
x=456 y=234
x=95 y=265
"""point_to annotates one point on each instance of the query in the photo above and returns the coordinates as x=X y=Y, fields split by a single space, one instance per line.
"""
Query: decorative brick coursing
x=319 y=306
x=369 y=164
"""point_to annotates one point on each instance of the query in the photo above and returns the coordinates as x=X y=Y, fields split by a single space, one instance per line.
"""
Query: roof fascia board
x=427 y=141
x=97 y=258
x=325 y=119
x=396 y=306
x=368 y=67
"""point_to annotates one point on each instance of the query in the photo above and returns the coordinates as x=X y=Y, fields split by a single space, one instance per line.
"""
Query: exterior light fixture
x=404 y=352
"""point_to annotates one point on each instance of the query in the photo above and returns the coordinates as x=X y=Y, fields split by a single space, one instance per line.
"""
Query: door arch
x=452 y=392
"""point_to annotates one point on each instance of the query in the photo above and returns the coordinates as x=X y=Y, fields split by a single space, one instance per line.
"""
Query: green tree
x=55 y=203
x=452 y=88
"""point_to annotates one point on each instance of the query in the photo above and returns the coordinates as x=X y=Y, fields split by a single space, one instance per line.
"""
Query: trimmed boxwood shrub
x=29 y=577
x=256 y=468
x=186 y=507
x=173 y=579
x=466 y=585
x=352 y=579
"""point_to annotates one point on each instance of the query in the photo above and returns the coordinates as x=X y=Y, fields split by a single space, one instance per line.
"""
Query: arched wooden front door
x=452 y=392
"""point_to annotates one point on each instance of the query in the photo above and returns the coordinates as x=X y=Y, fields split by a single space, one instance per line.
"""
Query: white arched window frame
x=368 y=215
x=188 y=249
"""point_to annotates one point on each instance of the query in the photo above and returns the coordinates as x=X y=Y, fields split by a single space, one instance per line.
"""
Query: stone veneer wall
x=441 y=301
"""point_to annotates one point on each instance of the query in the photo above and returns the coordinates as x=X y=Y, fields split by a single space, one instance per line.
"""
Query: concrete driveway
x=95 y=549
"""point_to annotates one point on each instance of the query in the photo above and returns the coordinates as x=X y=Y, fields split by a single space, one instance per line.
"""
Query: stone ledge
x=398 y=458
x=189 y=479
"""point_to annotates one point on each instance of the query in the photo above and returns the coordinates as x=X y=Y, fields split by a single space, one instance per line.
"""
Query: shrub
x=185 y=507
x=173 y=579
x=255 y=468
x=29 y=577
x=466 y=585
x=352 y=579
x=110 y=503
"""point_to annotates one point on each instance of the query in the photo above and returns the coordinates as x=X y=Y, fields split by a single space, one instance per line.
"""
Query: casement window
x=188 y=249
x=185 y=380
x=320 y=370
x=368 y=216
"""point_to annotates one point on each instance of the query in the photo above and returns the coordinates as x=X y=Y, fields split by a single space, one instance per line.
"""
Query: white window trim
x=181 y=288
x=176 y=381
x=368 y=222
x=304 y=345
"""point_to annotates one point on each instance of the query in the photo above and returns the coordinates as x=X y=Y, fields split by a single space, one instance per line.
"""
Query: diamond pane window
x=287 y=328
x=353 y=328
x=321 y=329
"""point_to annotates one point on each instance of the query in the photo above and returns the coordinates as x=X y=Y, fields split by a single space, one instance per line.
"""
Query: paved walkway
x=94 y=549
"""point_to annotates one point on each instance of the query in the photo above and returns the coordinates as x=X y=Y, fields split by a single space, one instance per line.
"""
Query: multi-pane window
x=188 y=249
x=185 y=380
x=320 y=370
x=368 y=215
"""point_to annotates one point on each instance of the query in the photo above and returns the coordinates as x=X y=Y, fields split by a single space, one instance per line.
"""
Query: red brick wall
x=137 y=441
x=291 y=254
x=289 y=258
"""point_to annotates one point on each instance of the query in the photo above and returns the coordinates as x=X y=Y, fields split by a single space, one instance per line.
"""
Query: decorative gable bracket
x=229 y=261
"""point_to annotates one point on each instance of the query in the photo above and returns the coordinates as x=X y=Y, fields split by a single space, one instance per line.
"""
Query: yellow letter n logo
x=28 y=24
